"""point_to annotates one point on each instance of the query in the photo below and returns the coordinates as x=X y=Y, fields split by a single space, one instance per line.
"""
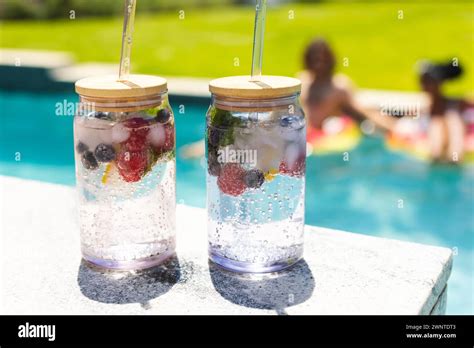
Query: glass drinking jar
x=256 y=156
x=124 y=139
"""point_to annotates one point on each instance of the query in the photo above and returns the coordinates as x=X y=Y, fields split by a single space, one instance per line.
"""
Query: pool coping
x=57 y=71
x=342 y=273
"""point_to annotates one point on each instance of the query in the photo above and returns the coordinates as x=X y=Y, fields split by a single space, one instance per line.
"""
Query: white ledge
x=343 y=273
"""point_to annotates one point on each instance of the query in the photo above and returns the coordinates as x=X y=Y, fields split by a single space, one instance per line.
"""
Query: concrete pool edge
x=57 y=71
x=343 y=272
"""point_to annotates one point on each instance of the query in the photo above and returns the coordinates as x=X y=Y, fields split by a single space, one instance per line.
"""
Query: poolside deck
x=56 y=71
x=342 y=273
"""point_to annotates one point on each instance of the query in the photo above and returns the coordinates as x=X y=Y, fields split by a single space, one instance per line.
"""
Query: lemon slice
x=105 y=176
x=271 y=174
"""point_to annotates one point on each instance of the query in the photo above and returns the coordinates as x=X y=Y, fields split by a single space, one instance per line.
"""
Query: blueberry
x=104 y=153
x=214 y=167
x=163 y=115
x=89 y=161
x=102 y=115
x=254 y=178
x=285 y=122
x=81 y=147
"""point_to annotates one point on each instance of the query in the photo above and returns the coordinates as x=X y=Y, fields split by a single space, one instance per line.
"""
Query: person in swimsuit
x=325 y=94
x=446 y=129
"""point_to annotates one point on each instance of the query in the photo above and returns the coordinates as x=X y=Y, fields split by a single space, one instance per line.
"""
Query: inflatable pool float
x=411 y=137
x=338 y=134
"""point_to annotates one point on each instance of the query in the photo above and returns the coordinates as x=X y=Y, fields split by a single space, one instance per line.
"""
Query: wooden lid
x=267 y=87
x=108 y=87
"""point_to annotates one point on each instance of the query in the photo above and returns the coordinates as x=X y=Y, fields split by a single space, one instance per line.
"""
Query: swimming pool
x=376 y=192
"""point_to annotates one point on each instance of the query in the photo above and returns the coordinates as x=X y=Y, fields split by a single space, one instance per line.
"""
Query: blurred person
x=325 y=94
x=446 y=129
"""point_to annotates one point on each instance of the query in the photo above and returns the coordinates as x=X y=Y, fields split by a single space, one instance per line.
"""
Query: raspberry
x=297 y=169
x=134 y=123
x=231 y=179
x=139 y=129
x=132 y=164
x=135 y=142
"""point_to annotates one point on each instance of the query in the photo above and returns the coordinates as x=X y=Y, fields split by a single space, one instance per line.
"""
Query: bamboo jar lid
x=108 y=86
x=268 y=87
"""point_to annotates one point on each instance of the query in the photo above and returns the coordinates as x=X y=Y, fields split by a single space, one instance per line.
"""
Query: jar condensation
x=256 y=155
x=125 y=171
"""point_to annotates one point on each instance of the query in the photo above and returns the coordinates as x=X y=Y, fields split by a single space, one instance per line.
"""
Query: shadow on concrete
x=122 y=287
x=265 y=291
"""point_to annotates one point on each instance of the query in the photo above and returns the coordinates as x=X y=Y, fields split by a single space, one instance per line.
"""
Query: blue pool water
x=361 y=195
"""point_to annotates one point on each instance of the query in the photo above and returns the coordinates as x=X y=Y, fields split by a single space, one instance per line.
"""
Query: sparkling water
x=124 y=224
x=263 y=228
x=257 y=226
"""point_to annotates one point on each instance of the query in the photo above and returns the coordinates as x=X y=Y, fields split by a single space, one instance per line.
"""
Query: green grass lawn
x=381 y=49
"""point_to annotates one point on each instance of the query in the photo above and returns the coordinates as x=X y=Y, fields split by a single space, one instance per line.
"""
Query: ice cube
x=157 y=135
x=292 y=153
x=119 y=133
x=268 y=157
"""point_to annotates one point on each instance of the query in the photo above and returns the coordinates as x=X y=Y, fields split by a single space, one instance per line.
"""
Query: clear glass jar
x=126 y=178
x=256 y=155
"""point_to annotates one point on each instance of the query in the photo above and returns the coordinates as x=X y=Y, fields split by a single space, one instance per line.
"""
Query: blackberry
x=214 y=136
x=163 y=115
x=88 y=161
x=213 y=165
x=81 y=147
x=104 y=153
x=254 y=178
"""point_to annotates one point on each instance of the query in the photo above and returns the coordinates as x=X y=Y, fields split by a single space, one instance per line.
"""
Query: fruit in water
x=132 y=164
x=254 y=178
x=295 y=168
x=106 y=175
x=214 y=136
x=104 y=153
x=102 y=115
x=226 y=123
x=213 y=165
x=163 y=116
x=231 y=179
x=139 y=129
x=81 y=147
x=135 y=123
x=285 y=122
x=135 y=142
x=88 y=161
x=271 y=175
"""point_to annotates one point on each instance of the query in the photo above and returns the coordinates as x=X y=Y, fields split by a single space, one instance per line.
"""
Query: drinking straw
x=258 y=36
x=127 y=39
